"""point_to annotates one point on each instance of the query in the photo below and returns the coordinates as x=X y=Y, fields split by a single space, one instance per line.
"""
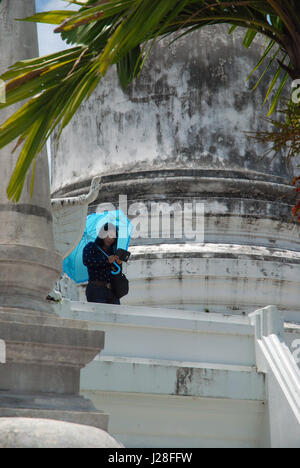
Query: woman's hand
x=112 y=258
x=115 y=258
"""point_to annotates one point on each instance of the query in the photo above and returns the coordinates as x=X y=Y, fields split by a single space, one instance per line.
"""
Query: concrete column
x=40 y=368
x=29 y=263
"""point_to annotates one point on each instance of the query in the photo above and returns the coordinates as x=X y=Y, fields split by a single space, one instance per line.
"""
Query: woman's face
x=109 y=239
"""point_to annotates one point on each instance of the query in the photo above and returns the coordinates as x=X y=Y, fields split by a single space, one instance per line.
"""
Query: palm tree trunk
x=292 y=46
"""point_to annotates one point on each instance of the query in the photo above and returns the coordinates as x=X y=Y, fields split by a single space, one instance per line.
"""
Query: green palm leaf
x=121 y=32
x=50 y=17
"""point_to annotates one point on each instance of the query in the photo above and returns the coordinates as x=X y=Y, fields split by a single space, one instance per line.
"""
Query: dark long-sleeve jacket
x=97 y=263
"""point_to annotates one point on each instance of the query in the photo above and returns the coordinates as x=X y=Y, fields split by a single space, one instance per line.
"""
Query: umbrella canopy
x=73 y=265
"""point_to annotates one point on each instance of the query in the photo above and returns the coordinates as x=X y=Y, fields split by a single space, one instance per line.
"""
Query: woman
x=99 y=266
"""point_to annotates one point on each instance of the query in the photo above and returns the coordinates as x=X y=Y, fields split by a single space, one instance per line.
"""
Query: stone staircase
x=173 y=378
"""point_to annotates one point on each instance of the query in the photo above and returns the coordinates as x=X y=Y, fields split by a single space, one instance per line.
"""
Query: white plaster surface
x=188 y=378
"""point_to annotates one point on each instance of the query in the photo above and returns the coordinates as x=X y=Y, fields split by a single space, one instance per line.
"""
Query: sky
x=48 y=41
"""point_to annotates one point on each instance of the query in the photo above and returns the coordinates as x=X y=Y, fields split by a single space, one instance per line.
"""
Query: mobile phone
x=123 y=254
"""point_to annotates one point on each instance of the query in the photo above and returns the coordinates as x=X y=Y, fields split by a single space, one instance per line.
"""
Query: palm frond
x=121 y=32
x=287 y=134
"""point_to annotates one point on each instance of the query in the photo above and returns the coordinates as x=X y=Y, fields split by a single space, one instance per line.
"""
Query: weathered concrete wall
x=188 y=109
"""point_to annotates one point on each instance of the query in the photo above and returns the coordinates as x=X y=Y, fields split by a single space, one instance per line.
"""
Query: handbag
x=119 y=282
x=120 y=285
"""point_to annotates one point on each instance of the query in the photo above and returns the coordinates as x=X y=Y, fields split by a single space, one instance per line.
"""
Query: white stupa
x=203 y=351
x=173 y=139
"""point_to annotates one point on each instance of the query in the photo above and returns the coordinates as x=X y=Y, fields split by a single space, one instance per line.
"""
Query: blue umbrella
x=73 y=265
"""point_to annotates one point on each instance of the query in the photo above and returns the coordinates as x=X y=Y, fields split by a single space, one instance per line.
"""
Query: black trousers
x=100 y=294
